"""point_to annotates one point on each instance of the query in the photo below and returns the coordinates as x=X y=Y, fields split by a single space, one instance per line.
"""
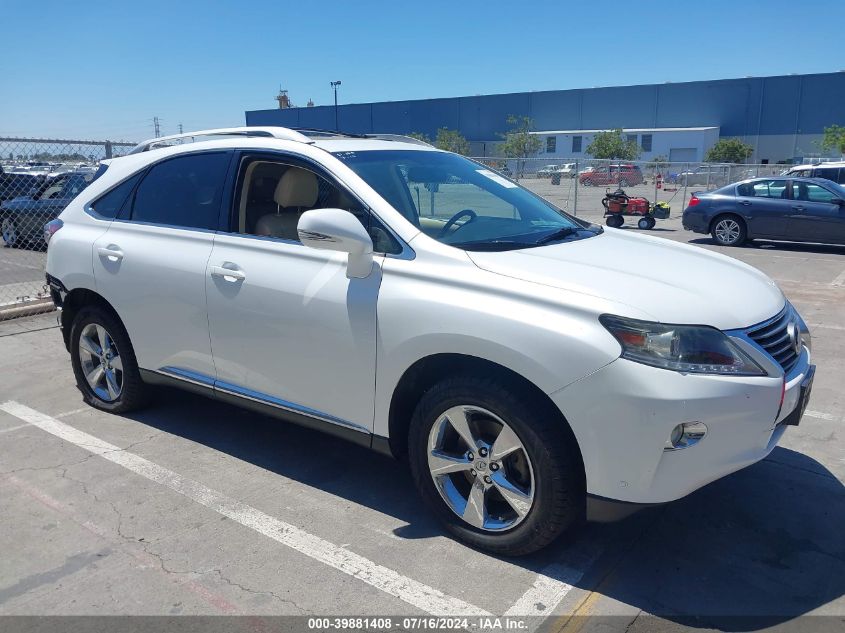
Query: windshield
x=463 y=203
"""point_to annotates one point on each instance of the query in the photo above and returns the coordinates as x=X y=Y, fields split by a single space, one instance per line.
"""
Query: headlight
x=692 y=349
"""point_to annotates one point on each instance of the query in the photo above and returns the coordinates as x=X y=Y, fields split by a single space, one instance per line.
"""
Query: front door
x=816 y=217
x=288 y=328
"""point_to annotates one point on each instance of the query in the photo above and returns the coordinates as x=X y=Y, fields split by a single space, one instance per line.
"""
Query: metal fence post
x=575 y=196
x=108 y=149
x=686 y=181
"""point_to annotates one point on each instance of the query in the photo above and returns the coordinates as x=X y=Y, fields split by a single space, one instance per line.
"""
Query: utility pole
x=334 y=85
x=156 y=127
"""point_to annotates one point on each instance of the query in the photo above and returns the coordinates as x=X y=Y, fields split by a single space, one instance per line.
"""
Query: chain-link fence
x=579 y=185
x=38 y=178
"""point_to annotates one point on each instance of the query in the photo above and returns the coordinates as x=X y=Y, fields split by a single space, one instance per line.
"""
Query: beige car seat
x=295 y=194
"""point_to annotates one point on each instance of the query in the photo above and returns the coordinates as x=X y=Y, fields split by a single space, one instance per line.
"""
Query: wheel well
x=77 y=299
x=725 y=214
x=428 y=371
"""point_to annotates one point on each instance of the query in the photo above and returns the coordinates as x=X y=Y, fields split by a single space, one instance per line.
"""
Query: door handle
x=798 y=207
x=113 y=254
x=745 y=203
x=228 y=274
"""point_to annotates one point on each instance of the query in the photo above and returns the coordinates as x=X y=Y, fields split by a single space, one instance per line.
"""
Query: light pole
x=334 y=85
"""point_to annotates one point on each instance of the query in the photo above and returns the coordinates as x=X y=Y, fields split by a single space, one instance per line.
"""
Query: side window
x=273 y=195
x=831 y=173
x=182 y=191
x=812 y=192
x=109 y=204
x=73 y=186
x=576 y=144
x=763 y=189
x=54 y=188
x=551 y=144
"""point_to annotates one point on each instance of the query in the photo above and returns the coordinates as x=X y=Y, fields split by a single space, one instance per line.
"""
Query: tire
x=624 y=183
x=729 y=230
x=544 y=476
x=10 y=232
x=644 y=224
x=125 y=391
x=588 y=182
x=651 y=223
x=615 y=221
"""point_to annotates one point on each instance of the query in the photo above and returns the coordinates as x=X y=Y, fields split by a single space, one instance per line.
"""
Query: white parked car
x=414 y=301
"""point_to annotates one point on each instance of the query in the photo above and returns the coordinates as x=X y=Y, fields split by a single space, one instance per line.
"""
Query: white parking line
x=554 y=582
x=387 y=580
x=840 y=280
x=14 y=428
x=820 y=415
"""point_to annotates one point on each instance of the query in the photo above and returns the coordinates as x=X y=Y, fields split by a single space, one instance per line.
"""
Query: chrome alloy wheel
x=480 y=468
x=101 y=362
x=9 y=231
x=727 y=231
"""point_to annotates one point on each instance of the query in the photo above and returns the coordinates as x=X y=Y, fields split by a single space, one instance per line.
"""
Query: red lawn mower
x=619 y=204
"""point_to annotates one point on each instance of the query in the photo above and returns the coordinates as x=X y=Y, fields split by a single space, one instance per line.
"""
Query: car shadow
x=758 y=548
x=786 y=247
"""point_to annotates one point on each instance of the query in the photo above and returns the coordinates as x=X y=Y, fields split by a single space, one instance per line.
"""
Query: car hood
x=666 y=281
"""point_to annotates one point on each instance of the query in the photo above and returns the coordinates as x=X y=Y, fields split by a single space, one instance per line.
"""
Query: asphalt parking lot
x=195 y=507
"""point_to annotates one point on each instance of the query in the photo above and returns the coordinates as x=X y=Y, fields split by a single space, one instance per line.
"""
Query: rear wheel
x=644 y=224
x=495 y=466
x=651 y=222
x=588 y=182
x=729 y=230
x=624 y=183
x=615 y=221
x=104 y=362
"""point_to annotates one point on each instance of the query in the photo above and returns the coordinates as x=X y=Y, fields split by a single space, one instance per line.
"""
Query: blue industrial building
x=782 y=117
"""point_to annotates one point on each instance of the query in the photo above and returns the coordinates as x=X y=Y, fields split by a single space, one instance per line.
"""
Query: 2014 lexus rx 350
x=522 y=360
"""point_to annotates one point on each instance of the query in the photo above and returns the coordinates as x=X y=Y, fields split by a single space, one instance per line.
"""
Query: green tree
x=451 y=141
x=612 y=144
x=519 y=142
x=729 y=150
x=834 y=139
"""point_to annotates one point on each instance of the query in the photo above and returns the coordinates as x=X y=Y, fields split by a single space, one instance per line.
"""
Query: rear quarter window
x=109 y=204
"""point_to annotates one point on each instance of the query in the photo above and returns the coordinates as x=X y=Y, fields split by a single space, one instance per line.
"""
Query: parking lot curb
x=16 y=311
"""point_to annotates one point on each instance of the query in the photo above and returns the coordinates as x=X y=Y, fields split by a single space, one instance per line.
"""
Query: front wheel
x=615 y=221
x=495 y=466
x=104 y=362
x=729 y=230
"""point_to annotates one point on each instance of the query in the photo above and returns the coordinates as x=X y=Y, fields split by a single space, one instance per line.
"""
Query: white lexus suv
x=529 y=365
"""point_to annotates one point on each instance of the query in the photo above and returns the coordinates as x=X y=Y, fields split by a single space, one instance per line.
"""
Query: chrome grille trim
x=773 y=338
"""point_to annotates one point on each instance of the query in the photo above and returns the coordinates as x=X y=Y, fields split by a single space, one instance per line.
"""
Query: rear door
x=816 y=217
x=151 y=263
x=766 y=207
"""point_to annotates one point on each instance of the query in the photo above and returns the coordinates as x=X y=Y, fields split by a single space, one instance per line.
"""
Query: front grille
x=773 y=336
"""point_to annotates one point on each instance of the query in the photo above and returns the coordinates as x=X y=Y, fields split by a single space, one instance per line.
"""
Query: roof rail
x=268 y=132
x=398 y=137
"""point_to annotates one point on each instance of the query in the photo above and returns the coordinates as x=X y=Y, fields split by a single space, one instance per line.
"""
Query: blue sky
x=92 y=69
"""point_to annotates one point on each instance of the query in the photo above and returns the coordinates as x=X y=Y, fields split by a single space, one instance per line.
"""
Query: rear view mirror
x=338 y=230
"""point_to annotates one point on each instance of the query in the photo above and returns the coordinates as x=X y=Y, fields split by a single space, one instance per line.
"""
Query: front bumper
x=623 y=414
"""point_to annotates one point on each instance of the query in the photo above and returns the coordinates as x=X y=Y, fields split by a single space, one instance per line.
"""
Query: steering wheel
x=468 y=212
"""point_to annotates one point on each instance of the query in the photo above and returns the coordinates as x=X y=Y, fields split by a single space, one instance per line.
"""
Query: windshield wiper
x=489 y=245
x=557 y=235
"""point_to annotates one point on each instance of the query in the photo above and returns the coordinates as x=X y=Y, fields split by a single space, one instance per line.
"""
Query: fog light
x=685 y=435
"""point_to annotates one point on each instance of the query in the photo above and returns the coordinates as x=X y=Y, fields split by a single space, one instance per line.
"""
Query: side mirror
x=338 y=230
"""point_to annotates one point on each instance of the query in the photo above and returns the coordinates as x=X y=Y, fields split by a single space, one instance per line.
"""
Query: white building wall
x=695 y=141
